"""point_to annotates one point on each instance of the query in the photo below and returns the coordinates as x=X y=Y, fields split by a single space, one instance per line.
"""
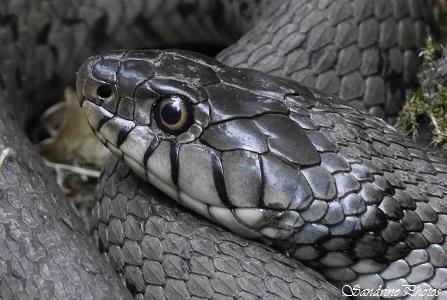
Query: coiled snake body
x=357 y=201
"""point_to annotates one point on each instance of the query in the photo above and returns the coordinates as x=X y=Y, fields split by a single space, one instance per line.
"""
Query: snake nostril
x=104 y=91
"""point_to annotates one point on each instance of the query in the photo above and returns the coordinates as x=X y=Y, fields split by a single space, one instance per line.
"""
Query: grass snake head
x=271 y=159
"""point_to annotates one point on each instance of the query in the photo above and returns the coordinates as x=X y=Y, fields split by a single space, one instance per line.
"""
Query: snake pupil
x=104 y=91
x=171 y=113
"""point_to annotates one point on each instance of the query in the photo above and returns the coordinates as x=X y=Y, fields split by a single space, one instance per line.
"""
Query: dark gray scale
x=311 y=233
x=432 y=233
x=353 y=204
x=433 y=179
x=183 y=68
x=396 y=137
x=284 y=187
x=366 y=140
x=407 y=177
x=416 y=193
x=133 y=73
x=372 y=166
x=290 y=218
x=360 y=151
x=344 y=133
x=297 y=102
x=370 y=193
x=334 y=214
x=262 y=83
x=415 y=240
x=361 y=172
x=303 y=121
x=334 y=163
x=396 y=251
x=429 y=188
x=382 y=184
x=243 y=178
x=357 y=120
x=350 y=227
x=377 y=138
x=373 y=219
x=368 y=148
x=228 y=102
x=144 y=98
x=420 y=153
x=337 y=243
x=305 y=253
x=369 y=246
x=396 y=150
x=126 y=108
x=423 y=166
x=335 y=273
x=405 y=200
x=315 y=212
x=438 y=205
x=374 y=124
x=147 y=55
x=321 y=182
x=336 y=259
x=320 y=142
x=196 y=58
x=239 y=134
x=322 y=120
x=346 y=183
x=394 y=232
x=168 y=86
x=411 y=221
x=298 y=150
x=106 y=70
x=323 y=106
x=350 y=154
x=301 y=112
x=334 y=137
x=391 y=208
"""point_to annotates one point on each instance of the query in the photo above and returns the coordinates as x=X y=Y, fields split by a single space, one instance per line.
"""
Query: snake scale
x=165 y=252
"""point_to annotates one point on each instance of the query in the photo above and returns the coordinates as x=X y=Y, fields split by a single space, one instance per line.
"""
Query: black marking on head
x=261 y=192
x=122 y=135
x=101 y=122
x=219 y=180
x=174 y=156
x=152 y=146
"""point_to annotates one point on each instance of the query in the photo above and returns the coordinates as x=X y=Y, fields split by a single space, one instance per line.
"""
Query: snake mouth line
x=219 y=214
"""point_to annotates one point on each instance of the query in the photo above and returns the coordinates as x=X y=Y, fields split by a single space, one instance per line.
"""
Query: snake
x=389 y=213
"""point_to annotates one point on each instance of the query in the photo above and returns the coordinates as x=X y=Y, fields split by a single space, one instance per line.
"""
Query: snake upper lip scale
x=268 y=158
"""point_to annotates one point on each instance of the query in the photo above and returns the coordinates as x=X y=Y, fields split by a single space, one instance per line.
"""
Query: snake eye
x=173 y=114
